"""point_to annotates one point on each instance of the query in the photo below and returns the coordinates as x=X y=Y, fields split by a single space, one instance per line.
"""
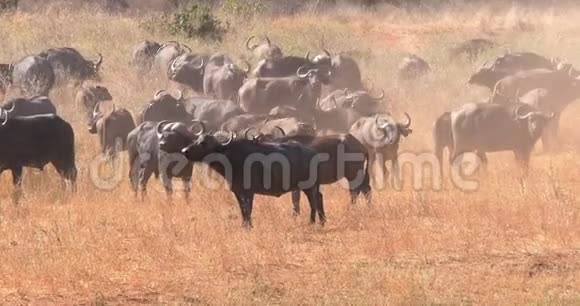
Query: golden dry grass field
x=512 y=241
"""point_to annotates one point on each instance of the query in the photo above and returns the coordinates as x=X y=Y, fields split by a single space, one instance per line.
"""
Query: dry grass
x=511 y=242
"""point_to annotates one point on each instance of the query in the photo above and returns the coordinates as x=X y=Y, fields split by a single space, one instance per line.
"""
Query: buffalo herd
x=293 y=119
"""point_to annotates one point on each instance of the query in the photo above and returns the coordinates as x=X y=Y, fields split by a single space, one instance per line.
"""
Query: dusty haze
x=512 y=241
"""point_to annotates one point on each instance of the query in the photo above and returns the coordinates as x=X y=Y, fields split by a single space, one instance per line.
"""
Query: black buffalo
x=251 y=168
x=35 y=141
x=222 y=78
x=70 y=66
x=164 y=106
x=21 y=107
x=112 y=129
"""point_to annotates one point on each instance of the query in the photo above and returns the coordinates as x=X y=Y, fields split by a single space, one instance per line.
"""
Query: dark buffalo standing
x=520 y=83
x=488 y=127
x=88 y=96
x=490 y=72
x=442 y=136
x=552 y=101
x=381 y=139
x=222 y=78
x=287 y=126
x=188 y=69
x=260 y=95
x=22 y=107
x=213 y=113
x=345 y=72
x=35 y=141
x=154 y=148
x=343 y=157
x=164 y=106
x=265 y=50
x=5 y=79
x=69 y=65
x=412 y=67
x=33 y=75
x=282 y=67
x=166 y=54
x=143 y=56
x=252 y=167
x=112 y=129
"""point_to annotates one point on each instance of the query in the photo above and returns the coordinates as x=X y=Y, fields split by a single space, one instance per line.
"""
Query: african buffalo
x=485 y=127
x=285 y=66
x=69 y=65
x=490 y=72
x=22 y=107
x=260 y=95
x=412 y=67
x=88 y=96
x=222 y=78
x=35 y=141
x=166 y=54
x=33 y=75
x=361 y=100
x=154 y=148
x=382 y=139
x=143 y=56
x=5 y=79
x=188 y=69
x=471 y=48
x=345 y=72
x=442 y=136
x=213 y=113
x=164 y=106
x=112 y=129
x=252 y=167
x=265 y=50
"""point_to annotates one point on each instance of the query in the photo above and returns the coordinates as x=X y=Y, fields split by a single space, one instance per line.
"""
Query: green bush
x=243 y=8
x=197 y=21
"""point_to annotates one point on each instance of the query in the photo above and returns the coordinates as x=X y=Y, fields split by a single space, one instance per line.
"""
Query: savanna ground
x=513 y=241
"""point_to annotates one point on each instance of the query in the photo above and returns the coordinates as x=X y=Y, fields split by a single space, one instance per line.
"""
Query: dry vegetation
x=512 y=242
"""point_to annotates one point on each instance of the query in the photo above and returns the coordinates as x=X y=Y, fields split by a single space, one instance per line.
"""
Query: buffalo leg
x=67 y=172
x=296 y=202
x=316 y=204
x=245 y=200
x=17 y=181
x=483 y=159
x=186 y=187
x=144 y=175
x=523 y=160
x=550 y=135
x=167 y=184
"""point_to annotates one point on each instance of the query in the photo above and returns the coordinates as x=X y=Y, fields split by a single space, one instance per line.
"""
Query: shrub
x=197 y=21
x=242 y=8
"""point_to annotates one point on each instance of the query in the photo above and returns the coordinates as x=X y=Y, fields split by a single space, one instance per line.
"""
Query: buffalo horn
x=521 y=116
x=98 y=61
x=160 y=126
x=251 y=48
x=229 y=140
x=307 y=56
x=300 y=74
x=380 y=97
x=408 y=123
x=327 y=53
x=201 y=124
x=281 y=130
x=5 y=115
x=267 y=40
x=12 y=108
x=178 y=98
x=249 y=67
x=247 y=131
x=96 y=110
x=201 y=65
x=157 y=94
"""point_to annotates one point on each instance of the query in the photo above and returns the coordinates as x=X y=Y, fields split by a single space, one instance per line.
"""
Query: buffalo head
x=174 y=136
x=535 y=121
x=205 y=145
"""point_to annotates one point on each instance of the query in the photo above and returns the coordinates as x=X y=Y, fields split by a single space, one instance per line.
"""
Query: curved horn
x=201 y=124
x=327 y=53
x=12 y=108
x=99 y=61
x=307 y=56
x=267 y=40
x=334 y=101
x=157 y=93
x=380 y=97
x=160 y=126
x=173 y=65
x=249 y=67
x=521 y=116
x=180 y=95
x=96 y=110
x=229 y=140
x=186 y=47
x=301 y=75
x=377 y=120
x=246 y=135
x=408 y=123
x=3 y=111
x=281 y=130
x=251 y=48
x=200 y=66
